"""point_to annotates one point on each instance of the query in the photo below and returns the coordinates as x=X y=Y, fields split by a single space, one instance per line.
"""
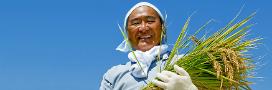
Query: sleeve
x=105 y=83
x=111 y=79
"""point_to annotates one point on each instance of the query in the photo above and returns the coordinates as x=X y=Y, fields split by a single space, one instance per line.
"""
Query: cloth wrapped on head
x=125 y=46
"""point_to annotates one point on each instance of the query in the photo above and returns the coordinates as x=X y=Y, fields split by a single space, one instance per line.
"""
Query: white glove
x=173 y=81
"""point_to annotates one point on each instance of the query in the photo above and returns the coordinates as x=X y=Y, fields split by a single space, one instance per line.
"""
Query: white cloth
x=124 y=46
x=173 y=81
x=145 y=59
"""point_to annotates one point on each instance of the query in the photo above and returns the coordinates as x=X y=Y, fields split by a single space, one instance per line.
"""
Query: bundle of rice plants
x=218 y=61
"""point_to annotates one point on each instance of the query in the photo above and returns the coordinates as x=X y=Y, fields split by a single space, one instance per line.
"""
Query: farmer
x=145 y=28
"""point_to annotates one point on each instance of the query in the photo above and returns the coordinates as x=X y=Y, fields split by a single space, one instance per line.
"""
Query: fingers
x=193 y=87
x=180 y=71
x=163 y=77
x=168 y=73
x=159 y=83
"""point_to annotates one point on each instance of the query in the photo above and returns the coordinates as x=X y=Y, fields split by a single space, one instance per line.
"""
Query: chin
x=145 y=48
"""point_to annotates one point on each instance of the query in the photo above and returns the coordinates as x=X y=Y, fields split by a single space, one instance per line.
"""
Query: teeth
x=144 y=37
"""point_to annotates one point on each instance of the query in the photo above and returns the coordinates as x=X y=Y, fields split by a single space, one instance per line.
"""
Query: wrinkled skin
x=144 y=28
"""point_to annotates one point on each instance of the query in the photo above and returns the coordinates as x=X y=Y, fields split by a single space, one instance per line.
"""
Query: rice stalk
x=218 y=62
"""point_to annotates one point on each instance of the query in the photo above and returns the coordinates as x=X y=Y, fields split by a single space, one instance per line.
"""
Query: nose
x=143 y=27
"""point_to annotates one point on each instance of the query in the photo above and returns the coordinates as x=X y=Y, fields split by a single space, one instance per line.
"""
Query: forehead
x=143 y=11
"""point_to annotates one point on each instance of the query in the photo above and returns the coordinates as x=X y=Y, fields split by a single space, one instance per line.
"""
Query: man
x=145 y=29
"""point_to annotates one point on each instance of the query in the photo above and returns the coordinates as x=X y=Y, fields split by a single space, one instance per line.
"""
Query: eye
x=135 y=22
x=151 y=19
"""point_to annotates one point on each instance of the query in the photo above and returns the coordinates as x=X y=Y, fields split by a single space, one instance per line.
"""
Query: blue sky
x=69 y=45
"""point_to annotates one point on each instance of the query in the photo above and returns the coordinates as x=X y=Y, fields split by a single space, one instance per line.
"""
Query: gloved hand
x=173 y=81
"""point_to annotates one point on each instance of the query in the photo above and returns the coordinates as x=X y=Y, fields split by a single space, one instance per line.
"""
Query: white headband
x=124 y=46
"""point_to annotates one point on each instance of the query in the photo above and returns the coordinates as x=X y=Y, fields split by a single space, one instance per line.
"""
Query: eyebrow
x=147 y=17
x=151 y=18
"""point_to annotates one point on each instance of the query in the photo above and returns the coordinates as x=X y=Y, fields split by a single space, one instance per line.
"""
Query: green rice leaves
x=218 y=62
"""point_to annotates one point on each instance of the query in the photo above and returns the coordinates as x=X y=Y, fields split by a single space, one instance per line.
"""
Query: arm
x=105 y=83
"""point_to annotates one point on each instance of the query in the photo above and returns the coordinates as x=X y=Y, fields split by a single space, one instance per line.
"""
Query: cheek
x=158 y=34
x=158 y=31
x=131 y=30
x=131 y=36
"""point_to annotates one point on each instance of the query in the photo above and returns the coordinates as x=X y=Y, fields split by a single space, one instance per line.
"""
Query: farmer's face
x=144 y=28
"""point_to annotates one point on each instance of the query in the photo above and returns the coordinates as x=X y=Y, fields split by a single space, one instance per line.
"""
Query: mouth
x=144 y=38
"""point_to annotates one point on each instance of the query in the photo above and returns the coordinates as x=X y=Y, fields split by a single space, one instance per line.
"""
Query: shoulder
x=119 y=69
x=117 y=72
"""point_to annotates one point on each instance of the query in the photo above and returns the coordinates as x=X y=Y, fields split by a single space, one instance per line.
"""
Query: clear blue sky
x=69 y=45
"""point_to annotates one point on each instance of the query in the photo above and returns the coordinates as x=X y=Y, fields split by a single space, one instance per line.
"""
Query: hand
x=173 y=81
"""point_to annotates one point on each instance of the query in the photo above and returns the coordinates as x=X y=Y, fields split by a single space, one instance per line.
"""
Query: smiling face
x=144 y=28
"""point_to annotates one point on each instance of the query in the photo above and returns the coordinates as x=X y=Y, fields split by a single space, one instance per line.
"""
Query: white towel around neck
x=145 y=59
